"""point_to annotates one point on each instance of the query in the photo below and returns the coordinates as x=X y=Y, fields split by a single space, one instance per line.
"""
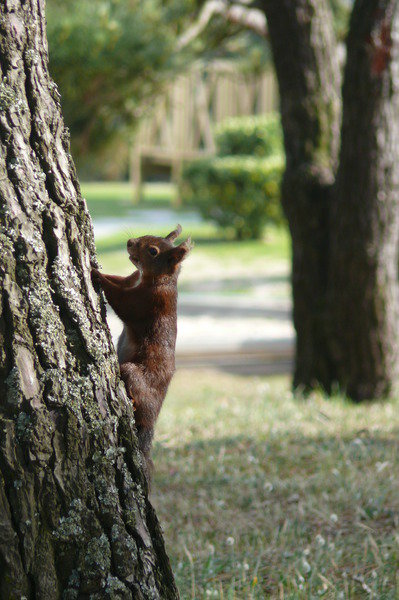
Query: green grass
x=204 y=233
x=275 y=245
x=213 y=251
x=115 y=198
x=211 y=254
x=262 y=495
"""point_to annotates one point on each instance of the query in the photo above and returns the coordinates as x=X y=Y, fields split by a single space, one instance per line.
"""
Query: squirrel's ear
x=176 y=255
x=174 y=234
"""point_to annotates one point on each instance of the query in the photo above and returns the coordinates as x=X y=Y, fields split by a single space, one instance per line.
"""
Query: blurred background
x=173 y=110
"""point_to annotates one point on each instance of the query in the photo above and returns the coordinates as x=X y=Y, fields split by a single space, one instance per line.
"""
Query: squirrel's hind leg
x=136 y=387
x=144 y=397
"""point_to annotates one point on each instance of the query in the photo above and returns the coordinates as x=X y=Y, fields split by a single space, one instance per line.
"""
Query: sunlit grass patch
x=116 y=198
x=233 y=266
x=263 y=495
x=215 y=256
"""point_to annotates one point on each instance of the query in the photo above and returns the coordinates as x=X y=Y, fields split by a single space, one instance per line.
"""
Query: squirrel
x=146 y=302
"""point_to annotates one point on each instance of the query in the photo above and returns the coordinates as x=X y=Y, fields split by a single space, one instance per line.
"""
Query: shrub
x=240 y=188
x=241 y=193
x=259 y=136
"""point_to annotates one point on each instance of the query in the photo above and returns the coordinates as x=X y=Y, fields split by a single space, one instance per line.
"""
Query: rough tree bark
x=344 y=224
x=365 y=217
x=305 y=57
x=75 y=520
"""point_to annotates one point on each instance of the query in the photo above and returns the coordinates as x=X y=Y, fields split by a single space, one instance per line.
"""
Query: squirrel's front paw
x=95 y=276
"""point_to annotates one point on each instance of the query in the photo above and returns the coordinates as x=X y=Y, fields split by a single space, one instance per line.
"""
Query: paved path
x=217 y=327
x=242 y=335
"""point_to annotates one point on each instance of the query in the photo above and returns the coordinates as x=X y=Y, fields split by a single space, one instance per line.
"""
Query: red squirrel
x=146 y=302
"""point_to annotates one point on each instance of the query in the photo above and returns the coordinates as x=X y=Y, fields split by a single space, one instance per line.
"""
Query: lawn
x=263 y=495
x=116 y=197
x=215 y=257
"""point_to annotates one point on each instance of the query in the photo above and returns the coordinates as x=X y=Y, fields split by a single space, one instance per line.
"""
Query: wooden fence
x=180 y=126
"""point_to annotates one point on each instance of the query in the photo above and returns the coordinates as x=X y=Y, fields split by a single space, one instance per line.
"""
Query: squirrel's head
x=157 y=255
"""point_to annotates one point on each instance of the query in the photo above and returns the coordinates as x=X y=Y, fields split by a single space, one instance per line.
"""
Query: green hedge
x=239 y=189
x=240 y=193
x=255 y=136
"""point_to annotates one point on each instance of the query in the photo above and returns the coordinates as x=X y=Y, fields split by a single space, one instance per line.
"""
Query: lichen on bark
x=75 y=519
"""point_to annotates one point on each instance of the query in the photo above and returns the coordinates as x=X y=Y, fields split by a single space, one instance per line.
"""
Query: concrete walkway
x=247 y=333
x=236 y=334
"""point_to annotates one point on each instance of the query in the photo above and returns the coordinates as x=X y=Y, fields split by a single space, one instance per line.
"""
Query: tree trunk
x=306 y=62
x=365 y=220
x=75 y=520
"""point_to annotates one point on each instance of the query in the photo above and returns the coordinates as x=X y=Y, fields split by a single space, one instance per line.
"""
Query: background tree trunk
x=75 y=520
x=365 y=217
x=306 y=62
x=345 y=236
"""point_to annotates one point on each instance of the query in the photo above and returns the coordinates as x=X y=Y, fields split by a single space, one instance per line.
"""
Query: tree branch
x=249 y=18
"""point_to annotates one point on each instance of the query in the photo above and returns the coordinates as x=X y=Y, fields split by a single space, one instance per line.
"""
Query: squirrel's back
x=146 y=302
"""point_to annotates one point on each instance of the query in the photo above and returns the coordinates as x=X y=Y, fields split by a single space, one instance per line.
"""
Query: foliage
x=266 y=495
x=240 y=188
x=108 y=62
x=258 y=136
x=341 y=11
x=237 y=192
x=111 y=57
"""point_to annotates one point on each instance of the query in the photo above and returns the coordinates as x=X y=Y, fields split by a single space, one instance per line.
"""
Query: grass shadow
x=297 y=510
